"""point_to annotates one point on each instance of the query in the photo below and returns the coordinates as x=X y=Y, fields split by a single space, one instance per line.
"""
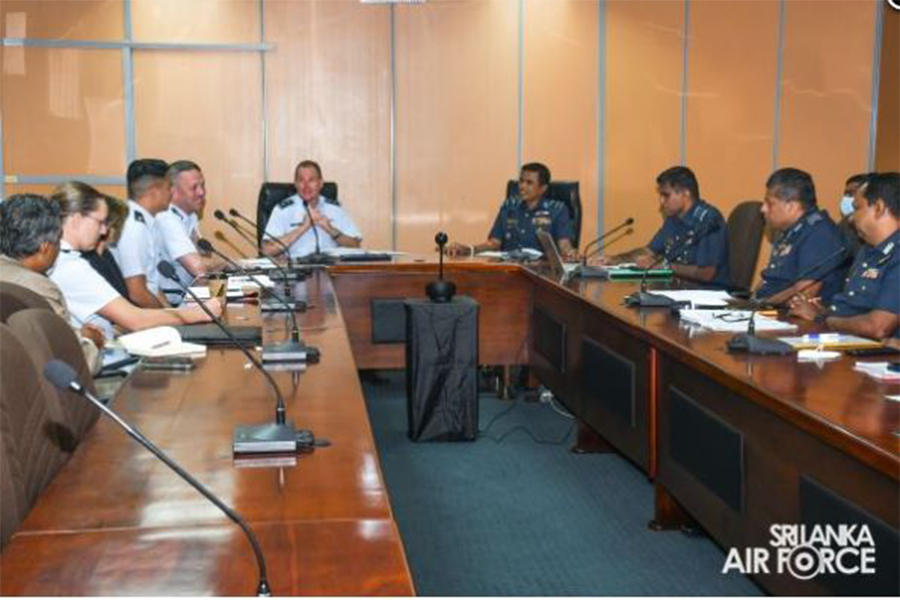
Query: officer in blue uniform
x=520 y=218
x=869 y=304
x=693 y=239
x=808 y=253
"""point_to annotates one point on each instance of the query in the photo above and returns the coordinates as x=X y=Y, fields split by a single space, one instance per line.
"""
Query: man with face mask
x=869 y=304
x=693 y=239
x=849 y=236
x=805 y=236
x=177 y=227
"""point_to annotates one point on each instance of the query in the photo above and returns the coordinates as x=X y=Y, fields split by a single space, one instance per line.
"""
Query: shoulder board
x=814 y=217
x=286 y=202
x=139 y=217
x=175 y=212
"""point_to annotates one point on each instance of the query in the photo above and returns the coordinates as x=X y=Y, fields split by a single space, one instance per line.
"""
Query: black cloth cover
x=442 y=369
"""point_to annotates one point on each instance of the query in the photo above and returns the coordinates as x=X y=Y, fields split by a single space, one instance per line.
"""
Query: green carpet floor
x=509 y=516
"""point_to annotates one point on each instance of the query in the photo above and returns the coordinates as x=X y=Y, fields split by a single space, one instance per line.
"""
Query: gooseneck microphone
x=316 y=258
x=441 y=290
x=290 y=306
x=279 y=437
x=645 y=298
x=63 y=376
x=753 y=344
x=240 y=231
x=596 y=242
x=284 y=248
x=222 y=238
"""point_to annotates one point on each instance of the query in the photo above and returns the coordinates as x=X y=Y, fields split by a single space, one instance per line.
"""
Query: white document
x=256 y=263
x=531 y=253
x=697 y=297
x=732 y=321
x=340 y=251
x=201 y=291
x=894 y=398
x=239 y=282
x=160 y=341
x=877 y=370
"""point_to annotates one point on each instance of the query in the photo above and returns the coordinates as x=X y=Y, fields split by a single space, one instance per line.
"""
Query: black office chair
x=745 y=232
x=566 y=192
x=271 y=193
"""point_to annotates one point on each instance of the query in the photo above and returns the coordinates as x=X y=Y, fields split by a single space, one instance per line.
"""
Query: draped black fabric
x=106 y=265
x=442 y=369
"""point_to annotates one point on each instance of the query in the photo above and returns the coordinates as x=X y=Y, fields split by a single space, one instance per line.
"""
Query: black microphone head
x=203 y=244
x=441 y=238
x=233 y=212
x=629 y=221
x=166 y=269
x=60 y=374
x=220 y=215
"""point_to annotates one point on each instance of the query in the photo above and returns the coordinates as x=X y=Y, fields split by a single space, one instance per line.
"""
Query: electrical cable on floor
x=550 y=401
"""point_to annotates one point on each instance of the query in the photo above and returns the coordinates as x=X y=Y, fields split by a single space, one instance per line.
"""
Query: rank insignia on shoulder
x=139 y=217
x=785 y=250
x=870 y=274
x=285 y=203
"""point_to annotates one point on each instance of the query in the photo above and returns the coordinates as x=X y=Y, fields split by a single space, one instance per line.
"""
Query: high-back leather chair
x=745 y=232
x=29 y=434
x=14 y=298
x=271 y=193
x=566 y=192
x=46 y=336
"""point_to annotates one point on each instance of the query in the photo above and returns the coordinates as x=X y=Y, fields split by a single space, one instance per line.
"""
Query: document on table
x=160 y=341
x=877 y=370
x=256 y=263
x=341 y=252
x=697 y=297
x=239 y=282
x=733 y=321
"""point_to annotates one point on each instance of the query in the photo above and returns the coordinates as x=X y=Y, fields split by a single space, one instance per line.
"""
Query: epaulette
x=286 y=202
x=177 y=214
x=814 y=217
x=139 y=217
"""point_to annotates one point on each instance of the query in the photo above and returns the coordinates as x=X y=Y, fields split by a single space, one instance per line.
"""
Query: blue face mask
x=847 y=206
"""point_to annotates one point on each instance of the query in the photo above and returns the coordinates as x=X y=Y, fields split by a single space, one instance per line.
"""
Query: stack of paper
x=239 y=282
x=257 y=263
x=697 y=297
x=878 y=370
x=733 y=321
x=160 y=341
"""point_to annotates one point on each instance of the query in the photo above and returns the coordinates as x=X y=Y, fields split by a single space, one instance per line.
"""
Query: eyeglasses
x=100 y=222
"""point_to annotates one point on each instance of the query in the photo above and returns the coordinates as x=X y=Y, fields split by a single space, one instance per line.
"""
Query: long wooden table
x=732 y=442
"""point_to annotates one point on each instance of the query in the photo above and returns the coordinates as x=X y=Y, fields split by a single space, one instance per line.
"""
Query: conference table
x=733 y=443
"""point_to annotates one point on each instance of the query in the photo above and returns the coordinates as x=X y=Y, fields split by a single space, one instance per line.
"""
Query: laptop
x=558 y=268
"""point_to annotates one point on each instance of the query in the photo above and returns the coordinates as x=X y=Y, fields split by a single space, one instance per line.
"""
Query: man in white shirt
x=177 y=227
x=290 y=224
x=137 y=251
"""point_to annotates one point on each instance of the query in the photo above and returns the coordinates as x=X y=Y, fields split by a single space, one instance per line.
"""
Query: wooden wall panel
x=62 y=19
x=643 y=110
x=827 y=94
x=190 y=105
x=456 y=118
x=328 y=98
x=887 y=150
x=560 y=94
x=197 y=21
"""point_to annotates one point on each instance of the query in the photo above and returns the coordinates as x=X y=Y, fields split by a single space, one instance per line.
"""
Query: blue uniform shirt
x=873 y=282
x=800 y=247
x=516 y=227
x=697 y=238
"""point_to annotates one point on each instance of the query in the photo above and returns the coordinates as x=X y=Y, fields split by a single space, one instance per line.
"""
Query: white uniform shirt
x=137 y=252
x=290 y=214
x=85 y=290
x=175 y=234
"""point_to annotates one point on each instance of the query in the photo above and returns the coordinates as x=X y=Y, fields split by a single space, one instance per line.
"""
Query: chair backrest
x=46 y=336
x=745 y=232
x=31 y=434
x=271 y=193
x=14 y=298
x=566 y=192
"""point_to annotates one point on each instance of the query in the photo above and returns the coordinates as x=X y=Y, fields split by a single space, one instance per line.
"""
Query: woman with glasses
x=90 y=297
x=103 y=261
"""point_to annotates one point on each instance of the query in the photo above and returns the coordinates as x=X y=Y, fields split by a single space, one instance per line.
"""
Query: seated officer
x=520 y=218
x=289 y=222
x=869 y=304
x=805 y=237
x=850 y=237
x=137 y=251
x=693 y=238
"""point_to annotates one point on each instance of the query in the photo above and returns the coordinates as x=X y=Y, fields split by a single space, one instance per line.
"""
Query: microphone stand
x=56 y=370
x=246 y=237
x=317 y=257
x=441 y=290
x=284 y=248
x=285 y=276
x=586 y=254
x=278 y=437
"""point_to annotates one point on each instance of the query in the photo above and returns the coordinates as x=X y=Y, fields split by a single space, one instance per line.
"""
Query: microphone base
x=289 y=352
x=270 y=438
x=647 y=299
x=753 y=344
x=287 y=306
x=441 y=290
x=316 y=258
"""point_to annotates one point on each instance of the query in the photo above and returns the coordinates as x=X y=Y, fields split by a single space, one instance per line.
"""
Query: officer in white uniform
x=177 y=228
x=85 y=290
x=137 y=251
x=289 y=221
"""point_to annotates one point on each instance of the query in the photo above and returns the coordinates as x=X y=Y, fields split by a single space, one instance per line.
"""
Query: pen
x=821 y=337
